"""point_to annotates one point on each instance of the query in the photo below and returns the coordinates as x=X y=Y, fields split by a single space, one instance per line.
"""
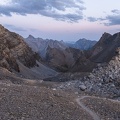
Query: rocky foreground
x=20 y=102
x=24 y=102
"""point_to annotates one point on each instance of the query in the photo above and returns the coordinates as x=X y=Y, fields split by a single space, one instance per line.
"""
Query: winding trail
x=93 y=114
x=88 y=110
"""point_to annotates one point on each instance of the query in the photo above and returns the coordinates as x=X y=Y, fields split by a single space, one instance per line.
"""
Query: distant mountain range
x=59 y=54
x=41 y=45
x=82 y=44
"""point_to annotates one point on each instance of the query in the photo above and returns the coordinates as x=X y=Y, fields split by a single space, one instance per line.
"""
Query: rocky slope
x=13 y=47
x=104 y=80
x=83 y=64
x=62 y=60
x=104 y=50
x=16 y=55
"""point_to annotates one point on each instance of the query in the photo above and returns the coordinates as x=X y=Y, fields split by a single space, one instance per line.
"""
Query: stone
x=83 y=87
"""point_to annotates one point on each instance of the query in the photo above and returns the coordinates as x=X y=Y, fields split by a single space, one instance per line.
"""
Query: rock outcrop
x=13 y=48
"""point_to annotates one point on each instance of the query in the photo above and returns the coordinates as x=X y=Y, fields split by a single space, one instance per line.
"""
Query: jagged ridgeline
x=13 y=48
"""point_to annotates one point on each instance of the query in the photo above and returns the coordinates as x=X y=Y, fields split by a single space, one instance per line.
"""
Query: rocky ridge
x=40 y=45
x=105 y=49
x=13 y=48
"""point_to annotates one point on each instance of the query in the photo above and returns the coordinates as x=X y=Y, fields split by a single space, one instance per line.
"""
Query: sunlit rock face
x=13 y=48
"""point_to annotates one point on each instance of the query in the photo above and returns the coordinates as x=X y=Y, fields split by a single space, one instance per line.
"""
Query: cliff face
x=13 y=48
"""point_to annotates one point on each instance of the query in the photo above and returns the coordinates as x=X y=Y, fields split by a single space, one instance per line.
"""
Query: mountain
x=103 y=78
x=82 y=44
x=62 y=60
x=105 y=49
x=60 y=55
x=40 y=45
x=12 y=47
x=54 y=53
x=17 y=56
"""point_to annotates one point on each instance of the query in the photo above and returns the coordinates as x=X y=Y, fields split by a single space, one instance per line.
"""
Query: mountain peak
x=105 y=37
x=1 y=28
x=30 y=36
x=105 y=34
x=105 y=48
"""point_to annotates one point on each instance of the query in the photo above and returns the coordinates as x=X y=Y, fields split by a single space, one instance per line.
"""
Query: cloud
x=115 y=11
x=113 y=20
x=92 y=19
x=109 y=20
x=12 y=27
x=58 y=9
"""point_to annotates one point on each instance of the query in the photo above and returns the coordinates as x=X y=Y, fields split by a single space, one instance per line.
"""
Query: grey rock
x=13 y=48
x=83 y=87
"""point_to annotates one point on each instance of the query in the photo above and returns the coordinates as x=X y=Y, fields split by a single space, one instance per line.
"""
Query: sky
x=67 y=20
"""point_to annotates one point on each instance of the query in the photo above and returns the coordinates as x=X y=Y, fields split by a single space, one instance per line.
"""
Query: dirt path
x=88 y=110
x=93 y=114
